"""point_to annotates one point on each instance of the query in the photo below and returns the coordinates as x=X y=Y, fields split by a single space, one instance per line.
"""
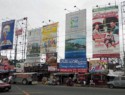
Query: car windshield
x=1 y=81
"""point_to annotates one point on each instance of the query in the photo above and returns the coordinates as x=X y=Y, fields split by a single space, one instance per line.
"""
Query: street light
x=44 y=22
x=76 y=7
x=67 y=10
x=51 y=21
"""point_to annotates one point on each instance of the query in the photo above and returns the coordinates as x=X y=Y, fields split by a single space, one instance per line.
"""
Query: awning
x=116 y=73
x=63 y=73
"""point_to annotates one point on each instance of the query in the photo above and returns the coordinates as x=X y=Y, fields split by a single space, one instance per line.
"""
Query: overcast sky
x=43 y=10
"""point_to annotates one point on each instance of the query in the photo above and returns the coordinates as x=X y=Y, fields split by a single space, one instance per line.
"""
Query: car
x=4 y=86
x=117 y=82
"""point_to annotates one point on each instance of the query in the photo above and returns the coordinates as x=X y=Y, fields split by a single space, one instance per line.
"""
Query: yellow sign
x=49 y=38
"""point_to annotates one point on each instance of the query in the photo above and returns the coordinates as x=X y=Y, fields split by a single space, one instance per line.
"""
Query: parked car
x=4 y=86
x=117 y=82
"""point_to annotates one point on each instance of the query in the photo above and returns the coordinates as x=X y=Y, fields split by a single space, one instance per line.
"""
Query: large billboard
x=7 y=35
x=73 y=65
x=75 y=40
x=49 y=38
x=33 y=46
x=105 y=33
x=98 y=66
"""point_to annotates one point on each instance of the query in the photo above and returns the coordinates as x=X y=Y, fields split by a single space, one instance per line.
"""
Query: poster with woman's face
x=7 y=35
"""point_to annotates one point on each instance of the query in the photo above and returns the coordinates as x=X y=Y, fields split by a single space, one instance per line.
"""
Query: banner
x=98 y=66
x=51 y=59
x=7 y=35
x=73 y=65
x=75 y=42
x=33 y=46
x=106 y=32
x=49 y=38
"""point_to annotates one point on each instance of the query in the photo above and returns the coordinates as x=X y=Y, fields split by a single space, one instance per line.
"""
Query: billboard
x=7 y=35
x=75 y=40
x=51 y=59
x=73 y=65
x=105 y=33
x=98 y=66
x=49 y=38
x=33 y=46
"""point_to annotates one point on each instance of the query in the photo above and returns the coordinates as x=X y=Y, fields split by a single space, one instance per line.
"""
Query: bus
x=25 y=78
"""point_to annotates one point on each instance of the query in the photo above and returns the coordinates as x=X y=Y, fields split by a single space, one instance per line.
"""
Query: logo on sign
x=74 y=22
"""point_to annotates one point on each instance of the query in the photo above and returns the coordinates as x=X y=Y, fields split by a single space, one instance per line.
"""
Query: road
x=61 y=90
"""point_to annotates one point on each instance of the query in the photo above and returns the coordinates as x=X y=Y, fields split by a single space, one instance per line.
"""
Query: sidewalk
x=79 y=85
x=99 y=86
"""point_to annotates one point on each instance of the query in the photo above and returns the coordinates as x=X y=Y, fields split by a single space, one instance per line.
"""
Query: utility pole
x=25 y=41
x=15 y=57
x=123 y=21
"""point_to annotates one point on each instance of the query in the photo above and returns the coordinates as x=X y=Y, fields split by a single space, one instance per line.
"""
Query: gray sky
x=43 y=10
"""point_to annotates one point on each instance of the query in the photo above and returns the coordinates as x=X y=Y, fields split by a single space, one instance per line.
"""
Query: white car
x=117 y=82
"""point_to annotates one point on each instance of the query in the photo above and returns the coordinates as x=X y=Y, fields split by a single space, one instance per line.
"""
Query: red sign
x=19 y=32
x=73 y=70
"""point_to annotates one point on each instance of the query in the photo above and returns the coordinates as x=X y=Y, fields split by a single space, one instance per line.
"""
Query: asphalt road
x=61 y=90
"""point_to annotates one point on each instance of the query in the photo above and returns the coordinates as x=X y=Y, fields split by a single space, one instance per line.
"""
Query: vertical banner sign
x=75 y=42
x=106 y=32
x=7 y=35
x=49 y=38
x=33 y=47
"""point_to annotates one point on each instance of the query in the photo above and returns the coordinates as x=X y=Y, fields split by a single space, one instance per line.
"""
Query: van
x=25 y=78
x=117 y=82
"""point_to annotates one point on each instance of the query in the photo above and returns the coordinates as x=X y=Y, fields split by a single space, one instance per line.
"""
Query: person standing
x=114 y=27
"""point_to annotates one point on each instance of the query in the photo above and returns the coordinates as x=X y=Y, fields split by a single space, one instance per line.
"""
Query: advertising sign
x=73 y=65
x=106 y=32
x=18 y=32
x=49 y=38
x=51 y=59
x=98 y=66
x=75 y=42
x=33 y=46
x=7 y=35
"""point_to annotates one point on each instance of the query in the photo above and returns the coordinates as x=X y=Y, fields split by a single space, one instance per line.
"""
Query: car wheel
x=111 y=86
x=6 y=89
x=24 y=82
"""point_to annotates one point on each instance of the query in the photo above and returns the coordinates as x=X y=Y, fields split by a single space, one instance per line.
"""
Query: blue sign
x=7 y=35
x=75 y=47
x=73 y=64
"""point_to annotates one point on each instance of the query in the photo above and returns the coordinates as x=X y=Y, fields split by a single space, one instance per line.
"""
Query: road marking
x=24 y=92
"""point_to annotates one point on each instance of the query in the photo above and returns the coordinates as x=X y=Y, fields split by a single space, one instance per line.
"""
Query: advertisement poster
x=33 y=46
x=49 y=38
x=51 y=59
x=98 y=66
x=7 y=35
x=75 y=40
x=105 y=33
x=73 y=65
x=5 y=66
